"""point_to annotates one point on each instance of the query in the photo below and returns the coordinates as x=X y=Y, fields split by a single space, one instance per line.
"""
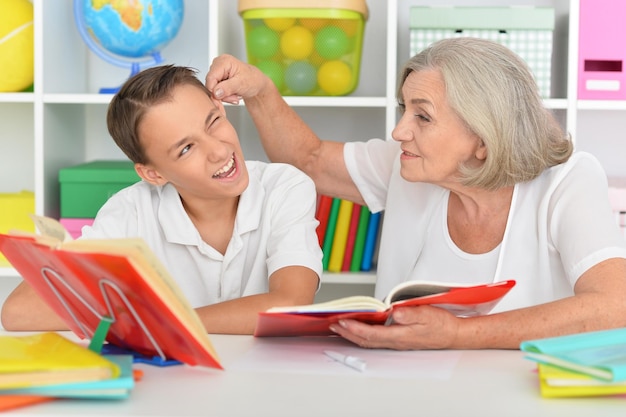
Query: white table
x=480 y=383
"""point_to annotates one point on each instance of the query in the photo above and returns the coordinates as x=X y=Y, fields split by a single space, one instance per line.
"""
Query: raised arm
x=284 y=135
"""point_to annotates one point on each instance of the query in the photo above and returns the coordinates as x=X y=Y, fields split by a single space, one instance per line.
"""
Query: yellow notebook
x=556 y=382
x=49 y=358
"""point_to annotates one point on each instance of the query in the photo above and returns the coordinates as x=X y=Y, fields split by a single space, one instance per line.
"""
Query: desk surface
x=469 y=383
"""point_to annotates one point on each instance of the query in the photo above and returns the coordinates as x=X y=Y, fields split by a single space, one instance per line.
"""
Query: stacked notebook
x=44 y=366
x=580 y=365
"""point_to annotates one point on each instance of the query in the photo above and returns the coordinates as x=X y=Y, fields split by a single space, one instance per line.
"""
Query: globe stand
x=133 y=66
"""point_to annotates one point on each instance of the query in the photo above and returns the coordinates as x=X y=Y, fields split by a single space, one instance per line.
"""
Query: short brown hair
x=138 y=94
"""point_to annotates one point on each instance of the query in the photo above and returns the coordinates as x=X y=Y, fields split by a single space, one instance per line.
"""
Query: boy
x=238 y=237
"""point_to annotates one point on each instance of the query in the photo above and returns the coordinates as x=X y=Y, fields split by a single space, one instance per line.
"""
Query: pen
x=350 y=361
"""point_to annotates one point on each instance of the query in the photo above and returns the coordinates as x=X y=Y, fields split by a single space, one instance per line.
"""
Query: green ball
x=273 y=70
x=331 y=42
x=301 y=77
x=262 y=42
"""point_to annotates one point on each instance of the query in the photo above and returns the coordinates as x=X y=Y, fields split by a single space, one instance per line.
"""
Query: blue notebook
x=600 y=354
x=115 y=388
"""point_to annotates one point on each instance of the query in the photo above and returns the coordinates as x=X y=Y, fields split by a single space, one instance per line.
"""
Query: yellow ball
x=335 y=78
x=16 y=45
x=297 y=42
x=279 y=24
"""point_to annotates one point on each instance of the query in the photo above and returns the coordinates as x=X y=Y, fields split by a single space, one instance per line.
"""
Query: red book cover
x=354 y=226
x=9 y=402
x=84 y=281
x=315 y=319
x=323 y=211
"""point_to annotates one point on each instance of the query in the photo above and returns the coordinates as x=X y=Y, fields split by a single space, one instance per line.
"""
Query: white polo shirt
x=560 y=225
x=274 y=228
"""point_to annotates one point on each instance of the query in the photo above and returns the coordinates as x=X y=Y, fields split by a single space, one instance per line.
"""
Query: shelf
x=77 y=98
x=601 y=105
x=17 y=97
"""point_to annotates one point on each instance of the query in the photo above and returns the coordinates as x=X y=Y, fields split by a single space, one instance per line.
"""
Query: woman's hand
x=230 y=79
x=422 y=327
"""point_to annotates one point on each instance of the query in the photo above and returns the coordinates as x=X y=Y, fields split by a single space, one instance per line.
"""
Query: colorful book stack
x=580 y=365
x=348 y=235
x=45 y=366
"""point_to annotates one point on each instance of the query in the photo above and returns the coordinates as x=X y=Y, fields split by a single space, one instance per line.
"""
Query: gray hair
x=492 y=90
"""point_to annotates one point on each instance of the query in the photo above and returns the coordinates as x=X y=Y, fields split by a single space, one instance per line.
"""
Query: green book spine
x=359 y=243
x=330 y=232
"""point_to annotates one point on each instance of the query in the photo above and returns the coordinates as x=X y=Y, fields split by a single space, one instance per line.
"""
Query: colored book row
x=348 y=235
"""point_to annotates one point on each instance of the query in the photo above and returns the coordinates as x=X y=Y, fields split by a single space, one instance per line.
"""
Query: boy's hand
x=230 y=80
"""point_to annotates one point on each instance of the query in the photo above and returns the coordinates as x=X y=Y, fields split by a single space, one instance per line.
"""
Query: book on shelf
x=119 y=281
x=463 y=300
x=47 y=359
x=351 y=240
x=322 y=213
x=359 y=240
x=555 y=382
x=340 y=238
x=115 y=388
x=329 y=235
x=600 y=354
x=371 y=238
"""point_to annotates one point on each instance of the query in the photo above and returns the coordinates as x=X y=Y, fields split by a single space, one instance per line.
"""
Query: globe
x=128 y=33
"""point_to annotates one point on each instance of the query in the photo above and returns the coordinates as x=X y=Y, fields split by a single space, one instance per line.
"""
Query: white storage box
x=527 y=30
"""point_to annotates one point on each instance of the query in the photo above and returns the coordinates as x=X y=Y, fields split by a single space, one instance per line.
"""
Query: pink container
x=75 y=226
x=601 y=51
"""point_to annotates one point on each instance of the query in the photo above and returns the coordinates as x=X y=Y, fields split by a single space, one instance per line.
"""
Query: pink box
x=75 y=226
x=601 y=52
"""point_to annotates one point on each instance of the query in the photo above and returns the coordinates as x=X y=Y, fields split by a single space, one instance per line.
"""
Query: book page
x=414 y=289
x=51 y=228
x=354 y=303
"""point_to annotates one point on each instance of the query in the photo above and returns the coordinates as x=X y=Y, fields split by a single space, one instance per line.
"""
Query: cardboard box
x=86 y=187
x=309 y=47
x=526 y=30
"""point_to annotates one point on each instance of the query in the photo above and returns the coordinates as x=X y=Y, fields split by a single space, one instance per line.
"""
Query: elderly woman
x=479 y=183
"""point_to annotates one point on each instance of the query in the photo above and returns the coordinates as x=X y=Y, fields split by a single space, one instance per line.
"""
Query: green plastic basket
x=306 y=51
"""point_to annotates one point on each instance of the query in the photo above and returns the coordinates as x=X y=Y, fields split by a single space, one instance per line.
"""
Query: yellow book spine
x=341 y=236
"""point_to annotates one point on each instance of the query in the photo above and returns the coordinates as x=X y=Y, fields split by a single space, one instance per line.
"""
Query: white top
x=560 y=224
x=274 y=228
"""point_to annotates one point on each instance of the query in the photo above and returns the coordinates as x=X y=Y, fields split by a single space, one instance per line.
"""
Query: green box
x=527 y=30
x=86 y=187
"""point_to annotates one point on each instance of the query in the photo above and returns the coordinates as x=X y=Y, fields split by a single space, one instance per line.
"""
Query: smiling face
x=434 y=140
x=189 y=143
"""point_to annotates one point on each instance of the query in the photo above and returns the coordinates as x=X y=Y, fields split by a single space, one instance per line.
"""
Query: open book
x=463 y=300
x=117 y=280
